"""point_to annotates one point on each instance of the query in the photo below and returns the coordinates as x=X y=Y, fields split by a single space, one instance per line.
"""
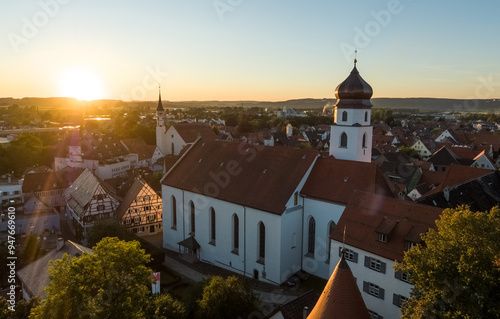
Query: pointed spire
x=160 y=106
x=341 y=297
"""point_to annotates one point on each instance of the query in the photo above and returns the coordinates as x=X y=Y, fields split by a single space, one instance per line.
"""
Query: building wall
x=354 y=150
x=323 y=213
x=171 y=137
x=148 y=208
x=387 y=281
x=220 y=254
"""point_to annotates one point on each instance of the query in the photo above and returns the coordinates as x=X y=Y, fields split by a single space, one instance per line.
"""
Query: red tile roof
x=341 y=297
x=41 y=182
x=260 y=177
x=335 y=180
x=458 y=175
x=191 y=131
x=366 y=213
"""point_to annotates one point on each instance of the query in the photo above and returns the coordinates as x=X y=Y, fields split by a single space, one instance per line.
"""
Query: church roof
x=191 y=131
x=354 y=92
x=335 y=180
x=341 y=297
x=369 y=214
x=261 y=177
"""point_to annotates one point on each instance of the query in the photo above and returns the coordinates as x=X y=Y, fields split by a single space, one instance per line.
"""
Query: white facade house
x=374 y=232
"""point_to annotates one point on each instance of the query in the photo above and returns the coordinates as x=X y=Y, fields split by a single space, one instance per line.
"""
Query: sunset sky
x=268 y=50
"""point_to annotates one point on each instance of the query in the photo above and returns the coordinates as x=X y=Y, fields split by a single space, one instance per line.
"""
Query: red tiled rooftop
x=341 y=297
x=366 y=213
x=335 y=180
x=260 y=177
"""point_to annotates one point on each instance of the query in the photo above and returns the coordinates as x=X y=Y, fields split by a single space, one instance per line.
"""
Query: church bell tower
x=351 y=134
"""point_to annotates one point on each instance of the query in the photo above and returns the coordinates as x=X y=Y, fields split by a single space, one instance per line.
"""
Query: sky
x=266 y=50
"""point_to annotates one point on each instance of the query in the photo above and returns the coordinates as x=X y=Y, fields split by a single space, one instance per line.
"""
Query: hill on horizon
x=423 y=104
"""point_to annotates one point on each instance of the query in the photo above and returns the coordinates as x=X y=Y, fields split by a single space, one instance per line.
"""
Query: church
x=268 y=212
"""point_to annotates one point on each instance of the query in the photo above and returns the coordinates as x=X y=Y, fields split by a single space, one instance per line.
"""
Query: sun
x=81 y=83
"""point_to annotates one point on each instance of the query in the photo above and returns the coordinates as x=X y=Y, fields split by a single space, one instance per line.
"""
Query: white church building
x=267 y=212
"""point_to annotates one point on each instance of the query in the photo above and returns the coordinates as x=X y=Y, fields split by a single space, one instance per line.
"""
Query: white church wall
x=324 y=213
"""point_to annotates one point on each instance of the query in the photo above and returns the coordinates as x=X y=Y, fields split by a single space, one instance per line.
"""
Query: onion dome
x=354 y=92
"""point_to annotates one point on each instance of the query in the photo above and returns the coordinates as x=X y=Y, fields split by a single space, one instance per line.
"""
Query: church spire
x=160 y=106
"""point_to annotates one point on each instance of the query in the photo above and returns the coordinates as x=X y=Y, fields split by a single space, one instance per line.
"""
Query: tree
x=225 y=298
x=104 y=228
x=166 y=307
x=112 y=282
x=456 y=272
x=21 y=311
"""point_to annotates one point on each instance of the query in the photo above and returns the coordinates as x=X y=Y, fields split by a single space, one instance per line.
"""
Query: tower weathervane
x=355 y=54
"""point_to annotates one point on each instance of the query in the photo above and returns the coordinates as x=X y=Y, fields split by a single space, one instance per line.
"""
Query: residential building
x=140 y=211
x=373 y=233
x=89 y=199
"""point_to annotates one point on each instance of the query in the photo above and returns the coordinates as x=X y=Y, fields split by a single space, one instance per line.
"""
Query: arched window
x=366 y=116
x=364 y=140
x=236 y=234
x=212 y=226
x=331 y=228
x=344 y=116
x=262 y=243
x=174 y=212
x=311 y=237
x=343 y=139
x=192 y=214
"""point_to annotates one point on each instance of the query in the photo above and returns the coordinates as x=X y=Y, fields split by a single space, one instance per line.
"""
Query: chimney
x=60 y=243
x=305 y=312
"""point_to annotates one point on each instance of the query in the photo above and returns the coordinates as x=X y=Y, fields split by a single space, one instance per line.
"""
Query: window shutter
x=355 y=257
x=395 y=300
x=381 y=293
x=365 y=286
x=367 y=261
x=382 y=267
x=397 y=275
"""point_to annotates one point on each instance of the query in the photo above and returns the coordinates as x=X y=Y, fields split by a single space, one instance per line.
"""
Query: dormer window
x=382 y=238
x=409 y=244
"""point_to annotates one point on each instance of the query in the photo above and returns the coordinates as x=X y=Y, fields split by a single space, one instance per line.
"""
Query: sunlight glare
x=81 y=83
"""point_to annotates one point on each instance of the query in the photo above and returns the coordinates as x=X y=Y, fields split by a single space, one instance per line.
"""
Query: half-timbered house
x=141 y=209
x=89 y=199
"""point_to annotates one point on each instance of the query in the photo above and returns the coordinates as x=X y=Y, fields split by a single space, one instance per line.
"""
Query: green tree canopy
x=225 y=298
x=166 y=307
x=112 y=282
x=457 y=272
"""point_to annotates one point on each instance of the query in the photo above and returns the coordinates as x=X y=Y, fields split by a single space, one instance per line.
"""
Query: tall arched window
x=311 y=237
x=331 y=228
x=236 y=234
x=343 y=139
x=212 y=226
x=364 y=140
x=174 y=212
x=366 y=116
x=344 y=116
x=192 y=222
x=262 y=243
